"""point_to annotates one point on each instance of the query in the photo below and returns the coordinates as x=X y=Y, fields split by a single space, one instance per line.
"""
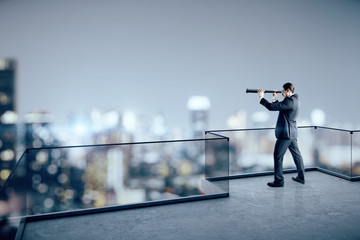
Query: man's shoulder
x=292 y=98
x=295 y=97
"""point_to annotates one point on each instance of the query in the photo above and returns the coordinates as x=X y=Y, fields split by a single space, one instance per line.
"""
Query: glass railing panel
x=251 y=150
x=306 y=142
x=332 y=150
x=217 y=161
x=356 y=154
x=13 y=200
x=74 y=178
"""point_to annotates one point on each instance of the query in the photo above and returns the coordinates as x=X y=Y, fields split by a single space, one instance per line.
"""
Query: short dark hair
x=289 y=86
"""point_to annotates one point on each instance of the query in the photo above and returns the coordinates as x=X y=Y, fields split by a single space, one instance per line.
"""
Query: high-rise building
x=199 y=115
x=49 y=173
x=8 y=118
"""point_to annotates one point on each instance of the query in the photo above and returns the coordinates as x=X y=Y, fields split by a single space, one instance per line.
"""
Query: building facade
x=8 y=118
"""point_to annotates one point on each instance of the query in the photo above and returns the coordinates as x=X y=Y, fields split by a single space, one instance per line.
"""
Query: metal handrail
x=270 y=128
x=128 y=143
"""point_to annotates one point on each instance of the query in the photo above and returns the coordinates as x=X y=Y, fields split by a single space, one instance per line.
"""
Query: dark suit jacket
x=286 y=127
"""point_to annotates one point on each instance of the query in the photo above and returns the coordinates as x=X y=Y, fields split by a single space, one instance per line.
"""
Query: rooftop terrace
x=96 y=198
x=326 y=207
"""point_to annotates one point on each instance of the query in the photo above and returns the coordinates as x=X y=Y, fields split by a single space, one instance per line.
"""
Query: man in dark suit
x=285 y=132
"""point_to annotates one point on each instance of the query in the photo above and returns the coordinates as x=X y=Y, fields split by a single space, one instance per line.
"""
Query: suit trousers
x=281 y=146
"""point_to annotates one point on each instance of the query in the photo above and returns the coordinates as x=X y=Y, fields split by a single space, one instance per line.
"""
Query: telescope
x=265 y=91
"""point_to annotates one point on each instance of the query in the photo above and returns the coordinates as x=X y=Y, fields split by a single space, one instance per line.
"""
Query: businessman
x=286 y=133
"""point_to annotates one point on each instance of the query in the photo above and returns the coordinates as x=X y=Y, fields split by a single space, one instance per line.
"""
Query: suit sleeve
x=287 y=104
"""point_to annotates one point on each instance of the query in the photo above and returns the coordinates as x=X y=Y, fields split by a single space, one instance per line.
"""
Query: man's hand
x=261 y=93
x=274 y=95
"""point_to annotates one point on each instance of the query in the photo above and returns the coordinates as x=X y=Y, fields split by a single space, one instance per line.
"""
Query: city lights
x=101 y=121
x=129 y=121
x=7 y=155
x=4 y=174
x=318 y=117
x=38 y=117
x=80 y=129
x=9 y=117
x=4 y=64
x=4 y=98
x=199 y=103
x=42 y=157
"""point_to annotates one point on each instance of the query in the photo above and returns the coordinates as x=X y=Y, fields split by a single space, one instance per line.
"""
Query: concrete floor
x=326 y=207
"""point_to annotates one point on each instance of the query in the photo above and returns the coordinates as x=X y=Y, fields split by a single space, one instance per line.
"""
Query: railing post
x=351 y=153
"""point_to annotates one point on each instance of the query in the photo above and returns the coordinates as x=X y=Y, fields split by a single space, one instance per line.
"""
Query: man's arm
x=286 y=104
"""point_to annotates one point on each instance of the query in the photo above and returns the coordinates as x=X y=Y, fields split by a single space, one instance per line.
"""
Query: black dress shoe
x=297 y=179
x=275 y=184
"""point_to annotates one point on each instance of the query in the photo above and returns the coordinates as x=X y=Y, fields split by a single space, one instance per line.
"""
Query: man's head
x=288 y=90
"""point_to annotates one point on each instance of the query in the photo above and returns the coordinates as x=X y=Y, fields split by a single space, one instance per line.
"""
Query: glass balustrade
x=251 y=150
x=55 y=180
x=13 y=199
x=355 y=164
x=217 y=161
x=332 y=150
x=67 y=179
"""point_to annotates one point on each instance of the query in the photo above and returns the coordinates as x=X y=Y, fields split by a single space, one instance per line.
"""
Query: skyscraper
x=8 y=118
x=199 y=110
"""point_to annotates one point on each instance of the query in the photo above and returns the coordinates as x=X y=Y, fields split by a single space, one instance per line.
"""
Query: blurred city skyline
x=151 y=57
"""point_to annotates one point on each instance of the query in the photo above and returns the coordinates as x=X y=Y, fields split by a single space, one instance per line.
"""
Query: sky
x=152 y=56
